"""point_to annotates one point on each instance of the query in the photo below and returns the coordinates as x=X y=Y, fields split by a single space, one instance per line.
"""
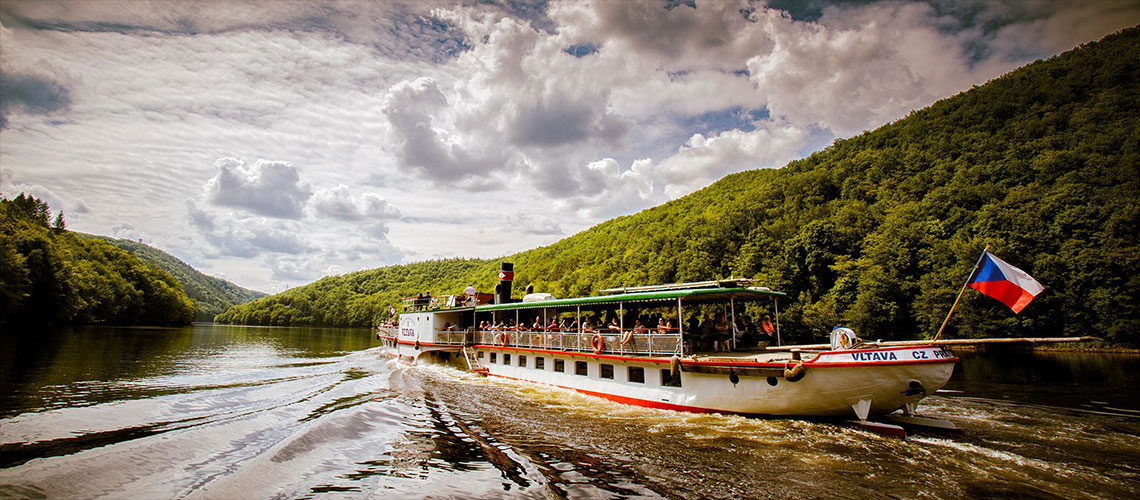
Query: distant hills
x=878 y=231
x=212 y=295
x=48 y=275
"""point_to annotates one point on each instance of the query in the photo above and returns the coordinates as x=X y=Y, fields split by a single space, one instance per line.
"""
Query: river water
x=234 y=412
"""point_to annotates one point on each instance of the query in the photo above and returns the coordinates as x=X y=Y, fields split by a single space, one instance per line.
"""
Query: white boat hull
x=835 y=384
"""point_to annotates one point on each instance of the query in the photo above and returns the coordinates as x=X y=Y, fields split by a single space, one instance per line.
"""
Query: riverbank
x=1084 y=347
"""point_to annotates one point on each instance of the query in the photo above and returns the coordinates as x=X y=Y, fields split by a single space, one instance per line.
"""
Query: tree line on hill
x=212 y=295
x=878 y=231
x=48 y=275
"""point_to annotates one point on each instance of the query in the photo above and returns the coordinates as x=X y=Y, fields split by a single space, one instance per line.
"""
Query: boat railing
x=649 y=342
x=434 y=302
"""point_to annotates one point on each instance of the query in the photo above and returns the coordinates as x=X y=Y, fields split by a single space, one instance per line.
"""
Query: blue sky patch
x=581 y=50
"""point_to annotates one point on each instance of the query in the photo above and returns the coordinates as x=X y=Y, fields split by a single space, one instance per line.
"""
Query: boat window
x=559 y=365
x=637 y=374
x=668 y=380
x=580 y=368
x=540 y=363
x=606 y=371
x=506 y=359
x=493 y=356
x=480 y=355
x=522 y=361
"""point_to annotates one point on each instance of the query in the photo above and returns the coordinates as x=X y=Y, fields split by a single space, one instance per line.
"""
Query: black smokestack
x=506 y=276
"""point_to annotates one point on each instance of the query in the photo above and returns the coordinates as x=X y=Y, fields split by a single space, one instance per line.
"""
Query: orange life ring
x=503 y=339
x=598 y=343
x=626 y=337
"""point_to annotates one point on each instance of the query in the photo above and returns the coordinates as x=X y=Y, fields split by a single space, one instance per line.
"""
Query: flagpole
x=963 y=290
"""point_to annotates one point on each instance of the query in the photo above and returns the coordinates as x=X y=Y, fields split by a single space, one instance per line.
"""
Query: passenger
x=638 y=328
x=662 y=325
x=469 y=295
x=537 y=325
x=553 y=326
x=587 y=326
x=614 y=325
x=766 y=326
x=721 y=333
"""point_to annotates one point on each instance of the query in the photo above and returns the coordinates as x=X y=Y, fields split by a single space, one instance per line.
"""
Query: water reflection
x=75 y=366
x=221 y=412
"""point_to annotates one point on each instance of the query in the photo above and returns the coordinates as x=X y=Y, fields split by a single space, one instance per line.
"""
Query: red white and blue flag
x=1009 y=285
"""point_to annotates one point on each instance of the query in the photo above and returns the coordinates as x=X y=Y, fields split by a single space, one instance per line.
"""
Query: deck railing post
x=732 y=324
x=680 y=328
x=621 y=325
x=776 y=302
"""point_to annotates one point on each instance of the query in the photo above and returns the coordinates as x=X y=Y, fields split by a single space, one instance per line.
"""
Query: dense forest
x=213 y=295
x=879 y=230
x=49 y=275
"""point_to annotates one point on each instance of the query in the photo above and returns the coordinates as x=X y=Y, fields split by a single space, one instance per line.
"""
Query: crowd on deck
x=710 y=333
x=707 y=332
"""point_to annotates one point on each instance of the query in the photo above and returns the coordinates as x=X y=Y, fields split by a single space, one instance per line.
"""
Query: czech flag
x=1009 y=285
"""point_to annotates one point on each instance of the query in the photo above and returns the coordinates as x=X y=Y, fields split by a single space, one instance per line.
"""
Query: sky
x=274 y=142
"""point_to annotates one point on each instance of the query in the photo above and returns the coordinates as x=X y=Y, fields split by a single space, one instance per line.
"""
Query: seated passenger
x=766 y=327
x=638 y=328
x=721 y=333
x=614 y=325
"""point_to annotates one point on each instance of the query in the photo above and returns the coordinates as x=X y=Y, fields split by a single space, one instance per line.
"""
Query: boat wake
x=356 y=424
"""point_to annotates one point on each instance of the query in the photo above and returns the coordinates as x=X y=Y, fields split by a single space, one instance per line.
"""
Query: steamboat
x=696 y=347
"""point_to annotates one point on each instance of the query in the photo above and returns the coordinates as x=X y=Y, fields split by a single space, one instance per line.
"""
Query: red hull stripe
x=661 y=405
x=1005 y=292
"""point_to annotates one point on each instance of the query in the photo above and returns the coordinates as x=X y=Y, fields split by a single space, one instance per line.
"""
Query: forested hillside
x=213 y=295
x=50 y=276
x=879 y=230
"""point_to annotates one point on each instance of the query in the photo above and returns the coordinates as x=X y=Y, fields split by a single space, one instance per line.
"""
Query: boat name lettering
x=874 y=356
x=407 y=332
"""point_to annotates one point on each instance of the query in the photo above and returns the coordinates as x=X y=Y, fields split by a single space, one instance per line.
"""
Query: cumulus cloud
x=73 y=207
x=423 y=143
x=28 y=87
x=594 y=107
x=126 y=232
x=269 y=188
x=532 y=223
x=339 y=203
x=246 y=236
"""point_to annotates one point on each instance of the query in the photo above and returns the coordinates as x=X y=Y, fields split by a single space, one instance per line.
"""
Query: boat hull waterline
x=867 y=382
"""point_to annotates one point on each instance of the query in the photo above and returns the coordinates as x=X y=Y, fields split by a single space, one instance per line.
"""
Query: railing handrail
x=648 y=342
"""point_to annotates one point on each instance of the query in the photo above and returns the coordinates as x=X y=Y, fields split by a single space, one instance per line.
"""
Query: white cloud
x=126 y=232
x=73 y=208
x=474 y=120
x=235 y=235
x=529 y=222
x=339 y=203
x=270 y=188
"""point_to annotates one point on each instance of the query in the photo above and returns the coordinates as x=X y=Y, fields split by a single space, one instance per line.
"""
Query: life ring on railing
x=503 y=339
x=626 y=337
x=597 y=343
